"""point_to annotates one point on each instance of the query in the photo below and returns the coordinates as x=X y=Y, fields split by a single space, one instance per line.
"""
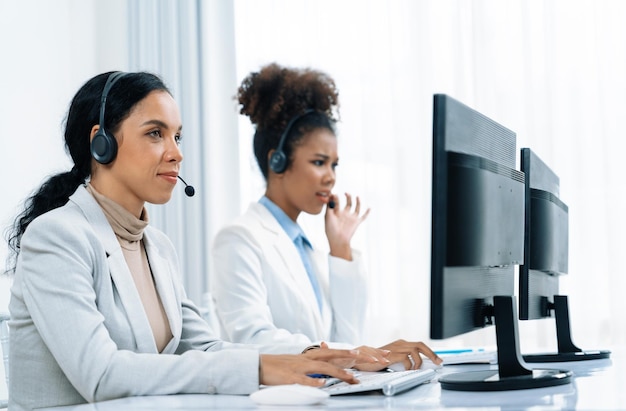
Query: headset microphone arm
x=189 y=190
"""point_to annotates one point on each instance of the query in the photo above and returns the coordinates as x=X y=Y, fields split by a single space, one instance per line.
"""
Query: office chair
x=4 y=341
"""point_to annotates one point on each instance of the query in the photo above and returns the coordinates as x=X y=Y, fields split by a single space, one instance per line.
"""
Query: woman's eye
x=178 y=138
x=335 y=165
x=318 y=162
x=155 y=133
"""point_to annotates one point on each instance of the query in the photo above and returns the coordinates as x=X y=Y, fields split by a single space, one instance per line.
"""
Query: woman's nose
x=173 y=152
x=329 y=178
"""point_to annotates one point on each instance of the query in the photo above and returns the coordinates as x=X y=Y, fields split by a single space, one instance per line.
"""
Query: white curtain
x=190 y=44
x=552 y=71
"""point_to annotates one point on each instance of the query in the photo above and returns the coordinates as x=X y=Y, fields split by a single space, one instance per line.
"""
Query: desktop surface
x=596 y=384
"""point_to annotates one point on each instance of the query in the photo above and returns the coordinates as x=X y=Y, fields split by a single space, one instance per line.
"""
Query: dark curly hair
x=83 y=114
x=275 y=95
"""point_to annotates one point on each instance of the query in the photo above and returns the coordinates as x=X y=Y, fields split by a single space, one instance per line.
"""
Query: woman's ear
x=94 y=130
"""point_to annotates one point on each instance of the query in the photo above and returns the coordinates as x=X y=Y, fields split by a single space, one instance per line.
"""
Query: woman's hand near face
x=295 y=369
x=341 y=224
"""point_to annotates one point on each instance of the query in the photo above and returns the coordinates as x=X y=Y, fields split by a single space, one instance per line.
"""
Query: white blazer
x=263 y=295
x=78 y=330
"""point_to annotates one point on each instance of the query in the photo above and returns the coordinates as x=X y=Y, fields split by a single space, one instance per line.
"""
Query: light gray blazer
x=262 y=292
x=78 y=330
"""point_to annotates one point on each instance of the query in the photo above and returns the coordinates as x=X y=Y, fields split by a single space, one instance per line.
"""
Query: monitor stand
x=511 y=373
x=567 y=350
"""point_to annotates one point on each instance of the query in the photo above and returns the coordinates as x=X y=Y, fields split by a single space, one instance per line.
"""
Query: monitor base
x=567 y=356
x=490 y=380
x=567 y=350
x=512 y=372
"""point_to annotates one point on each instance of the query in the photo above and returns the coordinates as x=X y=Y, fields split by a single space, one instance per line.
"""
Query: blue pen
x=318 y=376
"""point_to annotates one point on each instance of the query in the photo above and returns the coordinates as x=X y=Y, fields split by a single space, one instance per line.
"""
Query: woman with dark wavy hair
x=97 y=306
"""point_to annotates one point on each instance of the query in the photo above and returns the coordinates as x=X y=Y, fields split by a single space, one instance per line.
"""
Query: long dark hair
x=82 y=115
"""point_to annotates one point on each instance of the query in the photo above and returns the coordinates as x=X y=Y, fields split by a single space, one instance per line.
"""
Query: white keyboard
x=469 y=357
x=389 y=382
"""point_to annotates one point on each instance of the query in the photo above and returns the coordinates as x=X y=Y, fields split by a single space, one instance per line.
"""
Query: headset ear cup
x=103 y=147
x=278 y=162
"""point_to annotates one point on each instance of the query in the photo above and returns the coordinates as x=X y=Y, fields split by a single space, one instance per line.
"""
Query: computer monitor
x=477 y=239
x=546 y=229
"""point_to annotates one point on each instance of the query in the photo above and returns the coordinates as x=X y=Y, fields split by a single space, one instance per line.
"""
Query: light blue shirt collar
x=292 y=228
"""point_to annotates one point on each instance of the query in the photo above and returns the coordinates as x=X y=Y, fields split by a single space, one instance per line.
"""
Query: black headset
x=103 y=145
x=278 y=160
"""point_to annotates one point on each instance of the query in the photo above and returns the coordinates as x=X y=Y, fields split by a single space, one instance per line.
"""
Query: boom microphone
x=189 y=190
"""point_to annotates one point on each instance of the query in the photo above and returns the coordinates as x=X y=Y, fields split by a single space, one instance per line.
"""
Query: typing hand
x=298 y=369
x=361 y=355
x=408 y=354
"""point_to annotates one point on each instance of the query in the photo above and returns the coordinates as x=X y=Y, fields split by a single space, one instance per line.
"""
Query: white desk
x=597 y=385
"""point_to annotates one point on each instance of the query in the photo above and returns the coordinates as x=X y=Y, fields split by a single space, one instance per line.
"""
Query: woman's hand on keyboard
x=405 y=352
x=299 y=369
x=374 y=357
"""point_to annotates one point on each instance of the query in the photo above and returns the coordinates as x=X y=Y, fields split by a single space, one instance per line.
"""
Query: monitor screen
x=477 y=240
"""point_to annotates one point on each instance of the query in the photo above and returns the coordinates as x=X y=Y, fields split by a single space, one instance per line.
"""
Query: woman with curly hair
x=269 y=283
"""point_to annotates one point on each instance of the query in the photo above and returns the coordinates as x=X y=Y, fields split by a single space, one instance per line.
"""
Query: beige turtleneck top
x=129 y=232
